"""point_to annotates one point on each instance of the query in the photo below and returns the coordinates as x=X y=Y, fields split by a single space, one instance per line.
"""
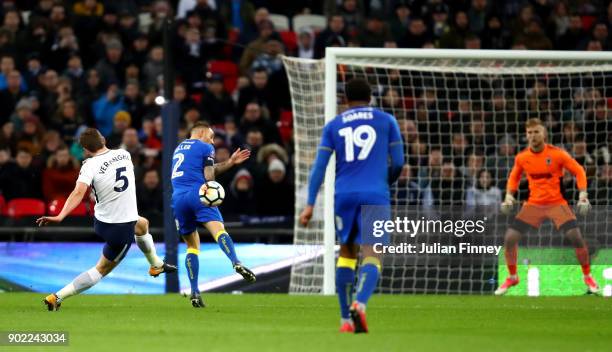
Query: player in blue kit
x=193 y=164
x=363 y=138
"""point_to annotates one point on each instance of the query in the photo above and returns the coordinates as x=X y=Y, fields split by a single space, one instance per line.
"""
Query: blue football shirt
x=362 y=138
x=188 y=162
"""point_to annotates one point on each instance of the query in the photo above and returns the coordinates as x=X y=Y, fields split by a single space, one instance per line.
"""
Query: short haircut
x=92 y=140
x=533 y=122
x=199 y=126
x=358 y=89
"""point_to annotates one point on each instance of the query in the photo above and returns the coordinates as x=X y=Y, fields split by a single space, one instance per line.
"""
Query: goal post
x=454 y=88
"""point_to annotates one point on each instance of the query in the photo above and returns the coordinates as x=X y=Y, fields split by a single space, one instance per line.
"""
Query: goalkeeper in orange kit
x=543 y=165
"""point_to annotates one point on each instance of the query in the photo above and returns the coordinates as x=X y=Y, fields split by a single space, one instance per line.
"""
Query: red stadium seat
x=228 y=70
x=285 y=125
x=290 y=40
x=232 y=38
x=20 y=207
x=587 y=22
x=56 y=205
x=2 y=205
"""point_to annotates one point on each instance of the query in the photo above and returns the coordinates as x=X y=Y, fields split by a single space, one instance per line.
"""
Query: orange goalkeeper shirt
x=544 y=171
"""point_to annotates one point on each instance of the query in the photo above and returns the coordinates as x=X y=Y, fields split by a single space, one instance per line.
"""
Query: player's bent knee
x=570 y=228
x=519 y=227
x=373 y=261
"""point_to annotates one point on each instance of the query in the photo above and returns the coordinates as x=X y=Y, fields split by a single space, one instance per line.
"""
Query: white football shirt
x=111 y=177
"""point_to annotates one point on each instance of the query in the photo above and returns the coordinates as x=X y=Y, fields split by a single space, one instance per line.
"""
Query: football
x=212 y=194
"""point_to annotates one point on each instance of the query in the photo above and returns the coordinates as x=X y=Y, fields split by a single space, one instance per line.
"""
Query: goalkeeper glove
x=583 y=206
x=508 y=204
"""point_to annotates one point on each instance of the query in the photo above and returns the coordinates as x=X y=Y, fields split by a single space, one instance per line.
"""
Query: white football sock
x=80 y=283
x=147 y=246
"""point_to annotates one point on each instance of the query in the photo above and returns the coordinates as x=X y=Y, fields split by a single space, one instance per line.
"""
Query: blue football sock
x=345 y=280
x=368 y=278
x=227 y=246
x=192 y=262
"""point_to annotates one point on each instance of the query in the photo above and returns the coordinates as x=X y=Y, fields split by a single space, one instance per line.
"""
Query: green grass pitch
x=258 y=322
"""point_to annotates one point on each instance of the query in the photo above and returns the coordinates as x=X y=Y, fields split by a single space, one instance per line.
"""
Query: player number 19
x=356 y=138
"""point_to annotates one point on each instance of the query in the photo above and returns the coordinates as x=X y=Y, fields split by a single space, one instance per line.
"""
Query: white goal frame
x=334 y=56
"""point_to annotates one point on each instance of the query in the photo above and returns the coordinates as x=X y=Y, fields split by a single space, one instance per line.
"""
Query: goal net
x=461 y=115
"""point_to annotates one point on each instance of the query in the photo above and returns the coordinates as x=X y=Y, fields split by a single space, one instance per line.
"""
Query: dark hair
x=199 y=125
x=358 y=89
x=92 y=140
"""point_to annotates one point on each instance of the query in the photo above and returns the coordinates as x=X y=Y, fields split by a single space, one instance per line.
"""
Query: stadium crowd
x=68 y=64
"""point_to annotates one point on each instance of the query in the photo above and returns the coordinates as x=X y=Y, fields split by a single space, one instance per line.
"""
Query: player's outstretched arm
x=238 y=157
x=74 y=199
x=316 y=179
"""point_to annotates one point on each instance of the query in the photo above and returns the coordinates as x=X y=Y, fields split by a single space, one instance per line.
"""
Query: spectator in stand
x=407 y=191
x=477 y=16
x=475 y=163
x=20 y=179
x=240 y=198
x=112 y=66
x=51 y=142
x=105 y=109
x=10 y=96
x=335 y=34
x=484 y=193
x=250 y=30
x=7 y=65
x=431 y=170
x=600 y=33
x=31 y=136
x=257 y=90
x=439 y=21
x=192 y=58
x=64 y=45
x=400 y=20
x=417 y=35
x=257 y=46
x=573 y=36
x=134 y=103
x=270 y=58
x=253 y=118
x=150 y=195
x=533 y=36
x=353 y=16
x=75 y=72
x=233 y=137
x=495 y=36
x=460 y=29
x=121 y=122
x=376 y=34
x=23 y=111
x=67 y=121
x=59 y=176
x=8 y=138
x=191 y=116
x=503 y=160
x=254 y=140
x=154 y=67
x=217 y=105
x=305 y=43
x=448 y=188
x=90 y=93
x=275 y=194
x=131 y=143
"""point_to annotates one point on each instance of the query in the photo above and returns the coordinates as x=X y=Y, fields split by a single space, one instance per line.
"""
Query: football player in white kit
x=110 y=173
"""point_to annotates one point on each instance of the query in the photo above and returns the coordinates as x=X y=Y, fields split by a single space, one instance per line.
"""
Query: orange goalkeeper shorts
x=533 y=215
